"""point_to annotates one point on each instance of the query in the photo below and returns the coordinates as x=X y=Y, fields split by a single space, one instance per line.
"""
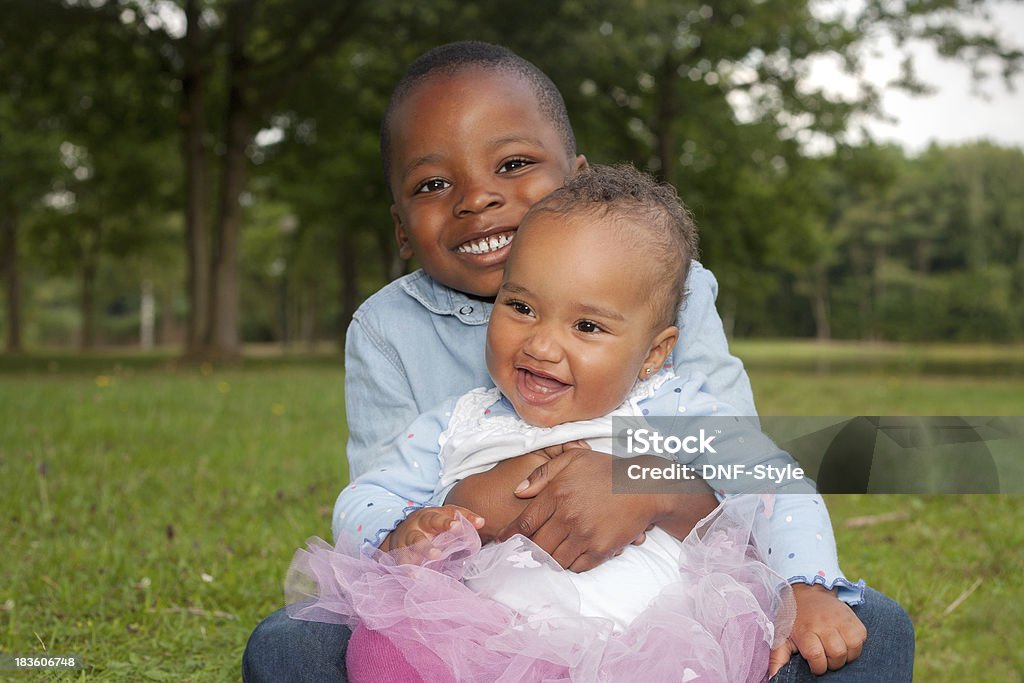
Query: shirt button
x=466 y=310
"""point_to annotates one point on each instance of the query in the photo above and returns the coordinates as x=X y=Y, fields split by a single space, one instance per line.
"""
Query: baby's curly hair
x=648 y=214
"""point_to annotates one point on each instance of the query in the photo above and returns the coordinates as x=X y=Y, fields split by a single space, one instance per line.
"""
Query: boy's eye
x=513 y=164
x=433 y=185
x=588 y=327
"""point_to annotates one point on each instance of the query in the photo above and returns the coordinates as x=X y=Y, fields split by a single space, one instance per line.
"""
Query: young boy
x=473 y=136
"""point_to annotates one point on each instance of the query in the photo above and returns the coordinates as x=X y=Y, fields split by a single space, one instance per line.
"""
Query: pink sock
x=372 y=658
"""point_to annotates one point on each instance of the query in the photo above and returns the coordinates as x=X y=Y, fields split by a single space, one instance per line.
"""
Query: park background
x=192 y=207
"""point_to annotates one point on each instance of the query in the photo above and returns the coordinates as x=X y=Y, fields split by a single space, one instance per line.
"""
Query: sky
x=953 y=114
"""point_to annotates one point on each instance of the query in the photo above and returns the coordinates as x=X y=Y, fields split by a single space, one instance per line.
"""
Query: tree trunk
x=665 y=117
x=87 y=301
x=862 y=280
x=310 y=315
x=878 y=292
x=147 y=316
x=168 y=329
x=12 y=280
x=223 y=333
x=822 y=315
x=197 y=237
x=348 y=265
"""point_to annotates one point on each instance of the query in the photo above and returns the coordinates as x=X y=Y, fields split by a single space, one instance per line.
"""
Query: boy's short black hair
x=454 y=58
x=649 y=214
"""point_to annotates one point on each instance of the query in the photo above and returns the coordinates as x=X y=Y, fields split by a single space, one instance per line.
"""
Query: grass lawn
x=150 y=511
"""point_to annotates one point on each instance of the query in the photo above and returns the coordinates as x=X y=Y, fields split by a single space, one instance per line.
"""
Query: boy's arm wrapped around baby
x=400 y=483
x=574 y=476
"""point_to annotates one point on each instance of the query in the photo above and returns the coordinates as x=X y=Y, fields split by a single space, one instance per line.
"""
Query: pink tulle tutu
x=718 y=622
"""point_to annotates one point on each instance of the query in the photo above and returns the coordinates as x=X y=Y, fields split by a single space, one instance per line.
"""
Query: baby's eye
x=514 y=164
x=588 y=327
x=520 y=308
x=433 y=185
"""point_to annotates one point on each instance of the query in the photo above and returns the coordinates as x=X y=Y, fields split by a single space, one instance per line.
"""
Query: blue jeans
x=282 y=649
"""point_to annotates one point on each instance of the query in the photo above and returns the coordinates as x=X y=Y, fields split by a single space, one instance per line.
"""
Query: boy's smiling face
x=573 y=326
x=471 y=153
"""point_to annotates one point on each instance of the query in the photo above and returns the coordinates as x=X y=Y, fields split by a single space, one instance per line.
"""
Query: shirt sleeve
x=803 y=547
x=378 y=402
x=702 y=346
x=402 y=480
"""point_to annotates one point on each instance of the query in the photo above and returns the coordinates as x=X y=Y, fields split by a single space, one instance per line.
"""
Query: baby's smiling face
x=572 y=327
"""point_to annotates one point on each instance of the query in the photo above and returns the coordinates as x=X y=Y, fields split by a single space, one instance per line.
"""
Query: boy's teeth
x=485 y=245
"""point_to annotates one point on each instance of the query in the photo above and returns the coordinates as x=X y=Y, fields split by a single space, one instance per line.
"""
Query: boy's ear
x=404 y=249
x=661 y=347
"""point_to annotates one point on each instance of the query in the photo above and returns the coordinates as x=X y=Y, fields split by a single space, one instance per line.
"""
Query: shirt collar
x=442 y=300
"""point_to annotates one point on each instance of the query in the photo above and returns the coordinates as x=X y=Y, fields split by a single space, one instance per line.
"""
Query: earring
x=649 y=371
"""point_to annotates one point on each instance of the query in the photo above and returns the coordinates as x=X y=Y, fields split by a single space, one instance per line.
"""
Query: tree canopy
x=221 y=155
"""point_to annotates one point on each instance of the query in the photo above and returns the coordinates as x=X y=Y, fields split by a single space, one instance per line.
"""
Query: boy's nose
x=477 y=198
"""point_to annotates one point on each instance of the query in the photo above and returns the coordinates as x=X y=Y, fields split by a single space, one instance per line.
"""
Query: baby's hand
x=422 y=526
x=826 y=632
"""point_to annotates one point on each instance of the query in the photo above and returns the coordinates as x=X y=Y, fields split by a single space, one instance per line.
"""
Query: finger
x=855 y=638
x=639 y=540
x=540 y=477
x=835 y=649
x=437 y=522
x=417 y=554
x=528 y=521
x=587 y=561
x=553 y=451
x=411 y=549
x=551 y=536
x=476 y=520
x=814 y=652
x=415 y=537
x=568 y=551
x=780 y=656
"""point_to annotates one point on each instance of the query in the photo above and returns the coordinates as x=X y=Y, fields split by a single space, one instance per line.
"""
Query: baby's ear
x=661 y=347
x=401 y=237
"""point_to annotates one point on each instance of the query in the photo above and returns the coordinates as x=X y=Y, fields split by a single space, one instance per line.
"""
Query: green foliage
x=860 y=242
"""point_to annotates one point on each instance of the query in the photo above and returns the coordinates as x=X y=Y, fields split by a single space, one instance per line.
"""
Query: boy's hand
x=412 y=536
x=571 y=516
x=574 y=516
x=826 y=632
x=552 y=452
